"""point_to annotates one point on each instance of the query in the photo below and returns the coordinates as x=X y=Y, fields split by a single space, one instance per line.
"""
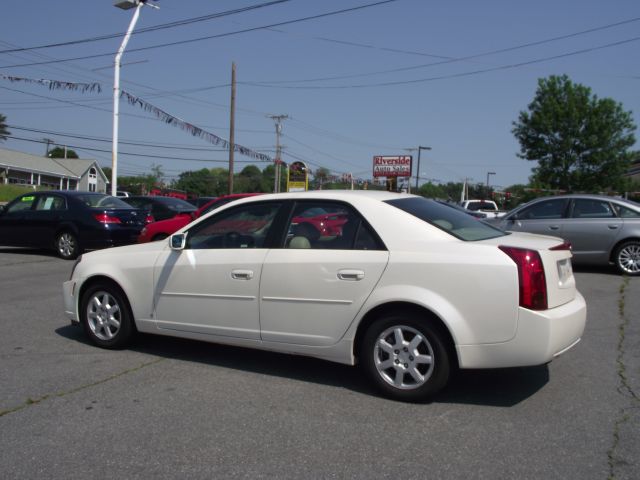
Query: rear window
x=459 y=224
x=102 y=201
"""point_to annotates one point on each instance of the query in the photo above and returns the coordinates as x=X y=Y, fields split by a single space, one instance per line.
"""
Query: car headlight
x=75 y=264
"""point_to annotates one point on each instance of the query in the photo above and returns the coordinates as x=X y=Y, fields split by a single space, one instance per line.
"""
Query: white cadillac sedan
x=404 y=286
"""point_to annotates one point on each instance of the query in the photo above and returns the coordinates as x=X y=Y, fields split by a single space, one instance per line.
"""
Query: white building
x=53 y=173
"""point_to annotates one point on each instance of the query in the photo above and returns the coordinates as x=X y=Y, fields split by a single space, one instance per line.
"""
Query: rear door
x=592 y=228
x=313 y=287
x=44 y=218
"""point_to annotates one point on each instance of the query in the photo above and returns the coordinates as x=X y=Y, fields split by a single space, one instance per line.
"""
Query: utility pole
x=278 y=123
x=232 y=125
x=418 y=170
x=49 y=142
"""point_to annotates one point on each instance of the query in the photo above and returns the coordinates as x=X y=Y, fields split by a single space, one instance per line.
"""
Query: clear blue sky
x=338 y=123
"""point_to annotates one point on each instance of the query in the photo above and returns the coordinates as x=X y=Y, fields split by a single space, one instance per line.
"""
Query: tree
x=4 y=133
x=581 y=142
x=60 y=152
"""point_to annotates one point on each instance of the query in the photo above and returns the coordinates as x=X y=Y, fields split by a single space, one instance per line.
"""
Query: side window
x=23 y=203
x=245 y=226
x=586 y=208
x=625 y=212
x=50 y=202
x=544 y=210
x=325 y=225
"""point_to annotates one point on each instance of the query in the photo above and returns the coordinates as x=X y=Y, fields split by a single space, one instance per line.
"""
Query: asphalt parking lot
x=169 y=408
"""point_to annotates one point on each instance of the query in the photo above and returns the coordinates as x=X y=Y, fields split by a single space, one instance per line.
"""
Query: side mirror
x=178 y=241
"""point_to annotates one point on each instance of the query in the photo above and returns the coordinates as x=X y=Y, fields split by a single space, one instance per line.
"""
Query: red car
x=162 y=229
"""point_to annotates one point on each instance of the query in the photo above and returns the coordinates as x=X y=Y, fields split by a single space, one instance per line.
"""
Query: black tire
x=627 y=258
x=406 y=357
x=106 y=317
x=66 y=245
x=158 y=237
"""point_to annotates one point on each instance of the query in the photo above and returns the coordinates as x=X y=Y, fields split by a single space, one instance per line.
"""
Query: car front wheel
x=105 y=316
x=405 y=358
x=627 y=258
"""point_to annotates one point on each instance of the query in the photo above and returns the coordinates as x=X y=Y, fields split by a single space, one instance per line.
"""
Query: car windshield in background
x=102 y=201
x=177 y=204
x=456 y=223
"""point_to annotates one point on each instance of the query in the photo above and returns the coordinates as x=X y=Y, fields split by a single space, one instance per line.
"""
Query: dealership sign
x=392 y=166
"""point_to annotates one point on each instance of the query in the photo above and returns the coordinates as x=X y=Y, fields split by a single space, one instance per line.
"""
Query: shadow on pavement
x=498 y=387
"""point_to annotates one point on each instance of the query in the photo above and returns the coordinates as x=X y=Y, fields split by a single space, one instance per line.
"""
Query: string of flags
x=192 y=129
x=136 y=101
x=56 y=84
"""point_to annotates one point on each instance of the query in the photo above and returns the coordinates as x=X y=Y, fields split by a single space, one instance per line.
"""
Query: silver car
x=602 y=230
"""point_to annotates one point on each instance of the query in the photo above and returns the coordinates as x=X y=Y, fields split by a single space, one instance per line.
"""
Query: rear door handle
x=242 y=274
x=613 y=227
x=554 y=227
x=351 y=275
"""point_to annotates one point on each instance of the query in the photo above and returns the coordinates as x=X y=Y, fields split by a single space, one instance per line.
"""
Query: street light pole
x=418 y=170
x=489 y=173
x=125 y=5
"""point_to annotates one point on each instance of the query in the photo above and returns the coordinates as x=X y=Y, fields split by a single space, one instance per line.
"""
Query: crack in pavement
x=624 y=388
x=35 y=401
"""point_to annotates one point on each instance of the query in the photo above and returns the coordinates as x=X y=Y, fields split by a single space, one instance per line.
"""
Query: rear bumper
x=540 y=337
x=112 y=237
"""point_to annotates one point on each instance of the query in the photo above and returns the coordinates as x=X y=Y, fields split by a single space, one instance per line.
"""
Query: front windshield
x=97 y=200
x=459 y=224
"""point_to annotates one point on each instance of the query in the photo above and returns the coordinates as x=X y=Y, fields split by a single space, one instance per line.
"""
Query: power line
x=449 y=76
x=162 y=26
x=209 y=37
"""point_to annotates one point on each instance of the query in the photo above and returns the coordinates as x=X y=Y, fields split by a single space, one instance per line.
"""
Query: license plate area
x=565 y=271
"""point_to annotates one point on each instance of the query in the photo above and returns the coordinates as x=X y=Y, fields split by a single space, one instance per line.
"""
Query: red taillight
x=533 y=283
x=149 y=219
x=106 y=218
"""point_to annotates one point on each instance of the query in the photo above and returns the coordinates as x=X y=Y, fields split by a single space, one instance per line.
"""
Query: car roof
x=346 y=195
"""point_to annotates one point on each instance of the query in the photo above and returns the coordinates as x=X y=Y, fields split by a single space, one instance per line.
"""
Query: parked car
x=602 y=230
x=409 y=289
x=162 y=208
x=488 y=207
x=69 y=222
x=162 y=229
x=200 y=201
x=473 y=213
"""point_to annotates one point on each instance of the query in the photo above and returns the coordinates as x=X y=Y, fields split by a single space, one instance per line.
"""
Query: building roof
x=60 y=167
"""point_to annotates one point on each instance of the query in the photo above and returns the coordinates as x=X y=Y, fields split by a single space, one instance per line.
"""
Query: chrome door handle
x=242 y=274
x=351 y=275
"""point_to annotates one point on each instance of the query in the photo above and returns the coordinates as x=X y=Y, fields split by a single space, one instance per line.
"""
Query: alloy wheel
x=403 y=357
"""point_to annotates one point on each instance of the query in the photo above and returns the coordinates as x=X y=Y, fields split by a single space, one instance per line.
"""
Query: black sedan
x=69 y=222
x=162 y=208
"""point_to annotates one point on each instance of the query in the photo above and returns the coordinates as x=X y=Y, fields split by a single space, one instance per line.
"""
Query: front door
x=212 y=286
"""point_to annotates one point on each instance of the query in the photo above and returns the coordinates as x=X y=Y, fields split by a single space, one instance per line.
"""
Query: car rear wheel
x=67 y=245
x=627 y=258
x=405 y=358
x=105 y=316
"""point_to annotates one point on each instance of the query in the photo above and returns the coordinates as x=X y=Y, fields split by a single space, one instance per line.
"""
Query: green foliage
x=4 y=133
x=59 y=152
x=205 y=182
x=580 y=142
x=9 y=192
